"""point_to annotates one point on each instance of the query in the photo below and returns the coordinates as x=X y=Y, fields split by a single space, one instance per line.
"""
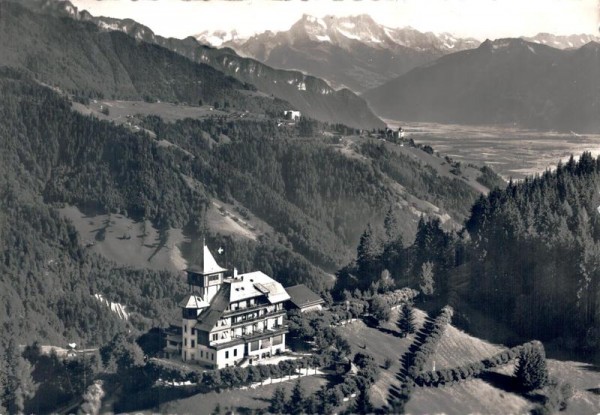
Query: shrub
x=531 y=370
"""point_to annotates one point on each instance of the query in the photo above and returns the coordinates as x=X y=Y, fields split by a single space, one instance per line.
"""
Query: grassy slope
x=249 y=398
x=475 y=396
x=145 y=248
x=141 y=245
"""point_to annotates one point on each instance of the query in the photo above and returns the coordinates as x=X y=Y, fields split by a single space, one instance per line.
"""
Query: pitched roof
x=257 y=283
x=193 y=301
x=302 y=296
x=208 y=264
x=209 y=317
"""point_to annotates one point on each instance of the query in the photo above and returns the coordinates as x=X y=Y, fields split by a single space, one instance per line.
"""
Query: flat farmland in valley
x=511 y=152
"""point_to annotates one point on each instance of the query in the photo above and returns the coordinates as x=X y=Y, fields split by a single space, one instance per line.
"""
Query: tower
x=207 y=277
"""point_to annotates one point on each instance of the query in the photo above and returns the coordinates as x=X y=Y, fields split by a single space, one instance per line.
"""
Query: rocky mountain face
x=76 y=57
x=310 y=95
x=506 y=81
x=352 y=51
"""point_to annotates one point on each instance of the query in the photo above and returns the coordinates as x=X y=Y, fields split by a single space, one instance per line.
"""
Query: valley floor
x=511 y=152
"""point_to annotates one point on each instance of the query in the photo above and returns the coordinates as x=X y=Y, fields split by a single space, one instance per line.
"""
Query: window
x=193 y=356
x=185 y=342
x=234 y=352
x=213 y=278
x=277 y=340
x=193 y=332
x=215 y=336
x=201 y=353
x=185 y=328
x=254 y=345
x=193 y=344
x=212 y=356
x=227 y=355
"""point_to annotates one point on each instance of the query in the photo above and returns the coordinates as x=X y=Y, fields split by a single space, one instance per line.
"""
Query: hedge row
x=230 y=377
x=401 y=296
x=366 y=376
x=474 y=369
x=429 y=336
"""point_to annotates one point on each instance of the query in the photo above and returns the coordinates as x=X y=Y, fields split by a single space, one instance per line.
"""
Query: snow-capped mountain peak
x=344 y=32
x=563 y=42
x=219 y=37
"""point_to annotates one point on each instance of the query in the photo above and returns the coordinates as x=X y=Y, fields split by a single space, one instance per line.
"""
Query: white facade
x=232 y=317
x=293 y=115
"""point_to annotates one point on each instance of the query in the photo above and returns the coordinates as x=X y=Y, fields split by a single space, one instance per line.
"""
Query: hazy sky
x=475 y=18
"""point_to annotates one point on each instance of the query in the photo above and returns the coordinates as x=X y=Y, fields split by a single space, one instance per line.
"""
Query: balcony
x=258 y=318
x=262 y=333
x=249 y=309
x=257 y=335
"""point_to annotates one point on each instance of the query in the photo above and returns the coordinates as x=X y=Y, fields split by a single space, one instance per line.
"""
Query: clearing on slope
x=456 y=348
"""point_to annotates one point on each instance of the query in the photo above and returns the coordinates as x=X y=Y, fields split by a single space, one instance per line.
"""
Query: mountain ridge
x=505 y=81
x=354 y=51
x=308 y=94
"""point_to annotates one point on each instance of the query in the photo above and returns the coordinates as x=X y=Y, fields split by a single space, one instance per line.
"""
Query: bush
x=432 y=333
x=531 y=370
x=474 y=369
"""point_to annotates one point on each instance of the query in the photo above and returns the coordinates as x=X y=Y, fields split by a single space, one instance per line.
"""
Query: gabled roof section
x=193 y=301
x=208 y=264
x=209 y=318
x=255 y=284
x=302 y=296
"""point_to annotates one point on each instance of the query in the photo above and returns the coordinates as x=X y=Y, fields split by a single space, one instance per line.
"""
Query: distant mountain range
x=310 y=95
x=78 y=58
x=355 y=52
x=562 y=42
x=506 y=81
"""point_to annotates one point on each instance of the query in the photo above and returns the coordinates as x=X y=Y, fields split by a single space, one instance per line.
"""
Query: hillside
x=79 y=58
x=300 y=211
x=506 y=81
x=455 y=348
x=352 y=51
x=486 y=395
x=308 y=94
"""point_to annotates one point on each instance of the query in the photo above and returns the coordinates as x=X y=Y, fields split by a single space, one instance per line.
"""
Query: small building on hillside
x=304 y=299
x=228 y=318
x=292 y=115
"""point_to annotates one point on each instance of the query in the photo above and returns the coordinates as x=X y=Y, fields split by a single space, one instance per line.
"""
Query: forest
x=508 y=261
x=51 y=156
x=528 y=257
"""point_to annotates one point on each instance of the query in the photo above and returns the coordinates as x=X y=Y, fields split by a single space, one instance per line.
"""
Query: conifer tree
x=367 y=251
x=295 y=405
x=406 y=322
x=363 y=404
x=20 y=386
x=391 y=226
x=426 y=279
x=531 y=370
x=278 y=401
